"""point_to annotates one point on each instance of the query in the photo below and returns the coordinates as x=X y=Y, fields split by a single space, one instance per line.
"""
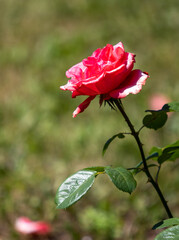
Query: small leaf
x=166 y=223
x=175 y=144
x=168 y=153
x=74 y=187
x=170 y=233
x=106 y=145
x=171 y=107
x=158 y=118
x=122 y=178
x=155 y=120
x=157 y=151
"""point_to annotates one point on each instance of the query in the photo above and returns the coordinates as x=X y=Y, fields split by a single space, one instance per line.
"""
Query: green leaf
x=106 y=145
x=168 y=153
x=74 y=187
x=155 y=152
x=155 y=120
x=166 y=223
x=171 y=107
x=158 y=118
x=122 y=178
x=170 y=233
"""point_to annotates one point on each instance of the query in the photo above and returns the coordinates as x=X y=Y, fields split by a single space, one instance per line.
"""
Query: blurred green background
x=40 y=143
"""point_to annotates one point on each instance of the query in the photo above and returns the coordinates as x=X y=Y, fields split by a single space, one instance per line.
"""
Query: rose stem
x=146 y=169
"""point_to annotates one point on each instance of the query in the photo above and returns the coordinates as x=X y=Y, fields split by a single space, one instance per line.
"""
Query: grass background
x=40 y=143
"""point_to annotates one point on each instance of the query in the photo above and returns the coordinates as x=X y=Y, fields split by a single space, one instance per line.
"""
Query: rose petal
x=106 y=81
x=75 y=70
x=119 y=45
x=83 y=106
x=132 y=84
x=88 y=87
x=68 y=86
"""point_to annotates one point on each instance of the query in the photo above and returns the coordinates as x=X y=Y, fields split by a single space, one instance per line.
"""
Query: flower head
x=108 y=73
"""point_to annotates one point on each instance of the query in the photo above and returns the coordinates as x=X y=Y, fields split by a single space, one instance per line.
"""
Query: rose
x=25 y=226
x=108 y=73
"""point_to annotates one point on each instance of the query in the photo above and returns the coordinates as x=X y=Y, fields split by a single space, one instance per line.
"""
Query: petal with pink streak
x=132 y=84
x=68 y=86
x=83 y=106
x=75 y=70
x=107 y=81
x=119 y=45
x=88 y=87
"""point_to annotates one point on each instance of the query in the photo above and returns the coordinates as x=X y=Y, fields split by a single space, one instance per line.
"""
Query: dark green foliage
x=121 y=178
x=155 y=120
x=158 y=118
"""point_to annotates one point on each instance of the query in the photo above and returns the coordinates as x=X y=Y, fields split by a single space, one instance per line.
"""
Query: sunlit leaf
x=170 y=233
x=168 y=153
x=155 y=152
x=171 y=107
x=74 y=187
x=166 y=223
x=122 y=178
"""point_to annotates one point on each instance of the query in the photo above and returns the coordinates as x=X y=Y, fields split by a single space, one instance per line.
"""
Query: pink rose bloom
x=108 y=72
x=26 y=226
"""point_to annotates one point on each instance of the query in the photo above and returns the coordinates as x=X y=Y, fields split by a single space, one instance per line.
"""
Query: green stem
x=146 y=169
